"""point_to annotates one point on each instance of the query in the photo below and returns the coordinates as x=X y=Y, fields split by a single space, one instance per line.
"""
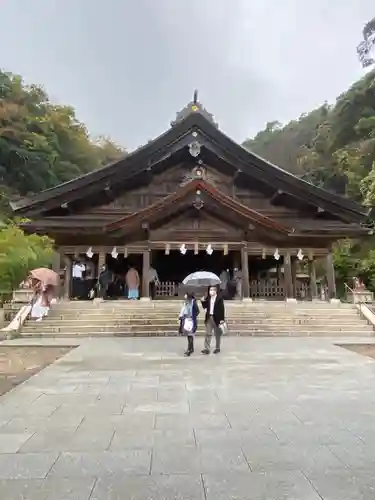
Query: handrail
x=355 y=294
x=362 y=307
x=17 y=322
x=352 y=290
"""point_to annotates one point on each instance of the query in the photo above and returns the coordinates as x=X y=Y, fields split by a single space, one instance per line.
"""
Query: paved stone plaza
x=267 y=419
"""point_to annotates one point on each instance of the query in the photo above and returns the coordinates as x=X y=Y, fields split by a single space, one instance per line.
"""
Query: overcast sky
x=128 y=66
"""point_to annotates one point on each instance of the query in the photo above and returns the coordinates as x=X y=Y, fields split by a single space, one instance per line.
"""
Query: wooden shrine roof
x=193 y=126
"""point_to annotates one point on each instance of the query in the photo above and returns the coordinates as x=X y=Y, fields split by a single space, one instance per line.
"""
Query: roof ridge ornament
x=194 y=149
x=194 y=106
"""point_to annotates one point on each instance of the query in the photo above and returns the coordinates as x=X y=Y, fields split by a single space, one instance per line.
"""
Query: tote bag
x=188 y=325
x=224 y=328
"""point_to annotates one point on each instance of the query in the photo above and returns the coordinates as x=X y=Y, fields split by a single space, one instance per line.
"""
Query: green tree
x=43 y=144
x=366 y=47
x=19 y=254
x=283 y=145
x=107 y=151
x=334 y=147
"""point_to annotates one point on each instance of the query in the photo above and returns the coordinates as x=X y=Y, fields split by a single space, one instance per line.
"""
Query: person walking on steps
x=215 y=317
x=189 y=320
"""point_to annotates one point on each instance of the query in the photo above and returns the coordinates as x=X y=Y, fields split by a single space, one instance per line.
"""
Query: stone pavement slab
x=11 y=443
x=47 y=489
x=341 y=484
x=289 y=457
x=102 y=464
x=267 y=419
x=274 y=485
x=162 y=487
x=67 y=440
x=26 y=465
x=152 y=438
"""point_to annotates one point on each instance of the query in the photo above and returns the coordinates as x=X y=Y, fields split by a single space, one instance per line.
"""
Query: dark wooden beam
x=276 y=196
x=237 y=174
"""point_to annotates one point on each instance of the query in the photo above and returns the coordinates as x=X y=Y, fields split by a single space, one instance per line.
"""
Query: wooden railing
x=167 y=289
x=274 y=288
x=271 y=288
x=266 y=288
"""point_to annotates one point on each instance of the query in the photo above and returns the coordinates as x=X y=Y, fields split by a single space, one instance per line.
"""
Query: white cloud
x=128 y=66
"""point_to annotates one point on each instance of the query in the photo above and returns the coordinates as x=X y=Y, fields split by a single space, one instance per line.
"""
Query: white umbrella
x=201 y=279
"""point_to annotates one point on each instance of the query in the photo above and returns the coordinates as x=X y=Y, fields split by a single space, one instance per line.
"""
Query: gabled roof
x=194 y=125
x=158 y=209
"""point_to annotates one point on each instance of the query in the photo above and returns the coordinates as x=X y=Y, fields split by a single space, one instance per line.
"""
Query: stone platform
x=267 y=419
x=160 y=318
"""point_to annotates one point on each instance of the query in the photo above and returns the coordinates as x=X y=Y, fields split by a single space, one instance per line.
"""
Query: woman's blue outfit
x=189 y=323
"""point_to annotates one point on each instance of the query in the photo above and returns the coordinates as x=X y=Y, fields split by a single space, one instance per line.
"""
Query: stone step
x=173 y=328
x=249 y=307
x=169 y=313
x=177 y=305
x=162 y=333
x=77 y=322
x=229 y=312
x=148 y=319
x=168 y=319
x=174 y=314
x=318 y=322
x=173 y=320
x=228 y=305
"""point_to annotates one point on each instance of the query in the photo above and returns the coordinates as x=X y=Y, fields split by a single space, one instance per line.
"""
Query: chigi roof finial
x=196 y=107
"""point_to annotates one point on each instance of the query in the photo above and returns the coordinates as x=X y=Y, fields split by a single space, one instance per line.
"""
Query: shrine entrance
x=172 y=268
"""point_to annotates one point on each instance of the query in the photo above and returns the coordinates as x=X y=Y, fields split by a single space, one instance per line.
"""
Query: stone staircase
x=160 y=318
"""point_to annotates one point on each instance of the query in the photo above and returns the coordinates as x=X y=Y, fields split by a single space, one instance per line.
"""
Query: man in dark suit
x=215 y=316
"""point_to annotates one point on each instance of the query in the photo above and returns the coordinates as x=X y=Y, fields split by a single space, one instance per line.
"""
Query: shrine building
x=193 y=199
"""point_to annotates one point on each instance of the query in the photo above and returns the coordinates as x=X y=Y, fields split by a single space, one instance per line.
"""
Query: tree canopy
x=19 y=254
x=333 y=147
x=283 y=145
x=42 y=143
x=365 y=49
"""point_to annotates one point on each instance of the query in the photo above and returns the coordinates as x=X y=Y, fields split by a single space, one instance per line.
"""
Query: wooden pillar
x=245 y=273
x=236 y=260
x=288 y=278
x=293 y=265
x=330 y=274
x=146 y=274
x=56 y=261
x=101 y=260
x=56 y=266
x=312 y=276
x=68 y=276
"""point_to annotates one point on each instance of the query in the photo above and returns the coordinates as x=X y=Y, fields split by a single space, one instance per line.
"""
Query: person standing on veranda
x=104 y=280
x=238 y=277
x=224 y=278
x=132 y=282
x=215 y=317
x=153 y=279
x=78 y=283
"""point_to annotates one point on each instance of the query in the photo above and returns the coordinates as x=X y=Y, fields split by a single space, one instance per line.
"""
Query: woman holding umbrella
x=45 y=282
x=214 y=305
